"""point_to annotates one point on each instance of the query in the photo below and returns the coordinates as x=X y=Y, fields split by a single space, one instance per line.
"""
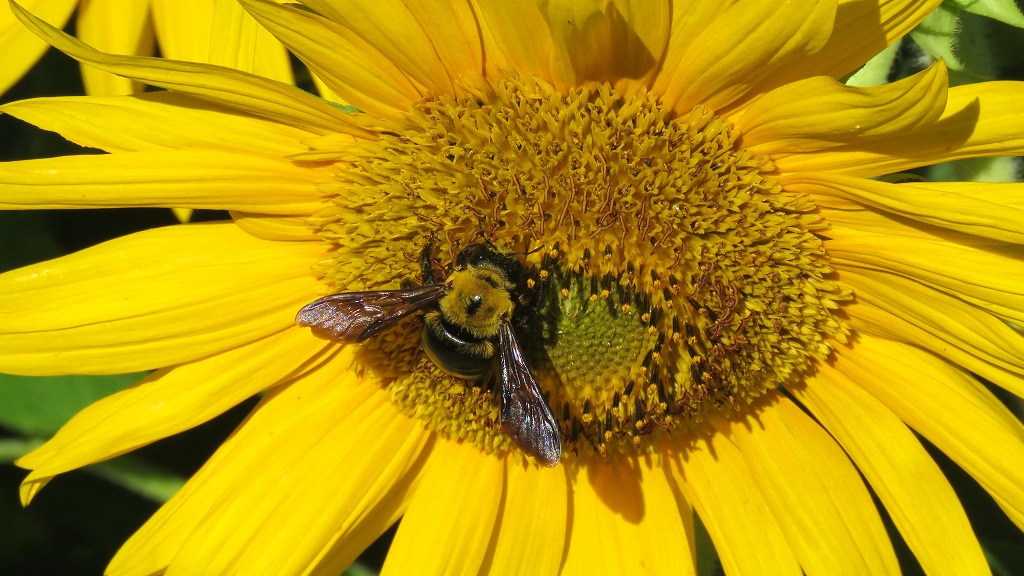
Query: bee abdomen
x=458 y=354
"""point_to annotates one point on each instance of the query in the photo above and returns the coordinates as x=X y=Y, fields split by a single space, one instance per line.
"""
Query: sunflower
x=184 y=31
x=730 y=317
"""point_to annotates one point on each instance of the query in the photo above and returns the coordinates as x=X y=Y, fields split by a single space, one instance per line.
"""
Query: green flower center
x=677 y=280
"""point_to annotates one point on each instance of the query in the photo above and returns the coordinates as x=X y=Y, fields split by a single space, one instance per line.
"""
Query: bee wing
x=355 y=316
x=525 y=415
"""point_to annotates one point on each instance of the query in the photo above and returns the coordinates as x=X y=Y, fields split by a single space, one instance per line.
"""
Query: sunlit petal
x=115 y=26
x=246 y=92
x=821 y=503
x=19 y=46
x=450 y=522
x=147 y=300
x=906 y=479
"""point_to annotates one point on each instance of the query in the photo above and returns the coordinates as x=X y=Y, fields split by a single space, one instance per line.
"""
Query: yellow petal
x=326 y=424
x=391 y=28
x=347 y=63
x=817 y=115
x=621 y=42
x=522 y=36
x=947 y=406
x=862 y=29
x=817 y=495
x=118 y=27
x=158 y=121
x=999 y=129
x=713 y=477
x=641 y=31
x=451 y=521
x=19 y=46
x=746 y=43
x=958 y=323
x=172 y=178
x=330 y=148
x=152 y=299
x=171 y=401
x=909 y=483
x=1015 y=515
x=184 y=28
x=1008 y=194
x=325 y=92
x=937 y=206
x=275 y=227
x=330 y=490
x=184 y=215
x=239 y=42
x=453 y=31
x=869 y=319
x=849 y=217
x=533 y=521
x=989 y=278
x=245 y=92
x=625 y=520
x=582 y=41
x=689 y=19
x=979 y=120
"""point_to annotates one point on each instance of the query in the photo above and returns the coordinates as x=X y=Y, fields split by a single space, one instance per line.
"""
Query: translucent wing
x=355 y=316
x=525 y=415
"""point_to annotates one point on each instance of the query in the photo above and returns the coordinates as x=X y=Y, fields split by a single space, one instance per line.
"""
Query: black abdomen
x=454 y=351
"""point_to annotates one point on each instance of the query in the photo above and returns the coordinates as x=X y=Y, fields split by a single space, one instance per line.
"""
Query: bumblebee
x=467 y=331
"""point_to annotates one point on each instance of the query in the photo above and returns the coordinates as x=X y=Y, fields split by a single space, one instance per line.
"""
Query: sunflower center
x=667 y=277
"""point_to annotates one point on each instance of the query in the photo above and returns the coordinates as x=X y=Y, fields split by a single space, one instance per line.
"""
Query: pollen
x=674 y=279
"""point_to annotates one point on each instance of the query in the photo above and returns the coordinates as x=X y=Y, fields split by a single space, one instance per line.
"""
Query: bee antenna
x=481 y=231
x=528 y=251
x=427 y=261
x=483 y=236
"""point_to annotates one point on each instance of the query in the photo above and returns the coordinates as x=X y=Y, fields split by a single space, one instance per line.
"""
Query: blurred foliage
x=77 y=523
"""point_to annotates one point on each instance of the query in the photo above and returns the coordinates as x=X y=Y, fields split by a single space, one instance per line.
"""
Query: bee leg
x=427 y=262
x=531 y=300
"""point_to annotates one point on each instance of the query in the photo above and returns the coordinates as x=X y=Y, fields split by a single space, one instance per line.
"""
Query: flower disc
x=675 y=277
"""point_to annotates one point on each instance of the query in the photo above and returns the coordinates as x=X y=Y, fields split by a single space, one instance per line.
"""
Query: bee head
x=486 y=256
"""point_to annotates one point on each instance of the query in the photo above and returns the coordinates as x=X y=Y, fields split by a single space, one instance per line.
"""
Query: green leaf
x=708 y=563
x=876 y=71
x=139 y=476
x=999 y=169
x=358 y=569
x=346 y=108
x=1005 y=558
x=39 y=406
x=975 y=47
x=13 y=448
x=935 y=35
x=129 y=472
x=1002 y=10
